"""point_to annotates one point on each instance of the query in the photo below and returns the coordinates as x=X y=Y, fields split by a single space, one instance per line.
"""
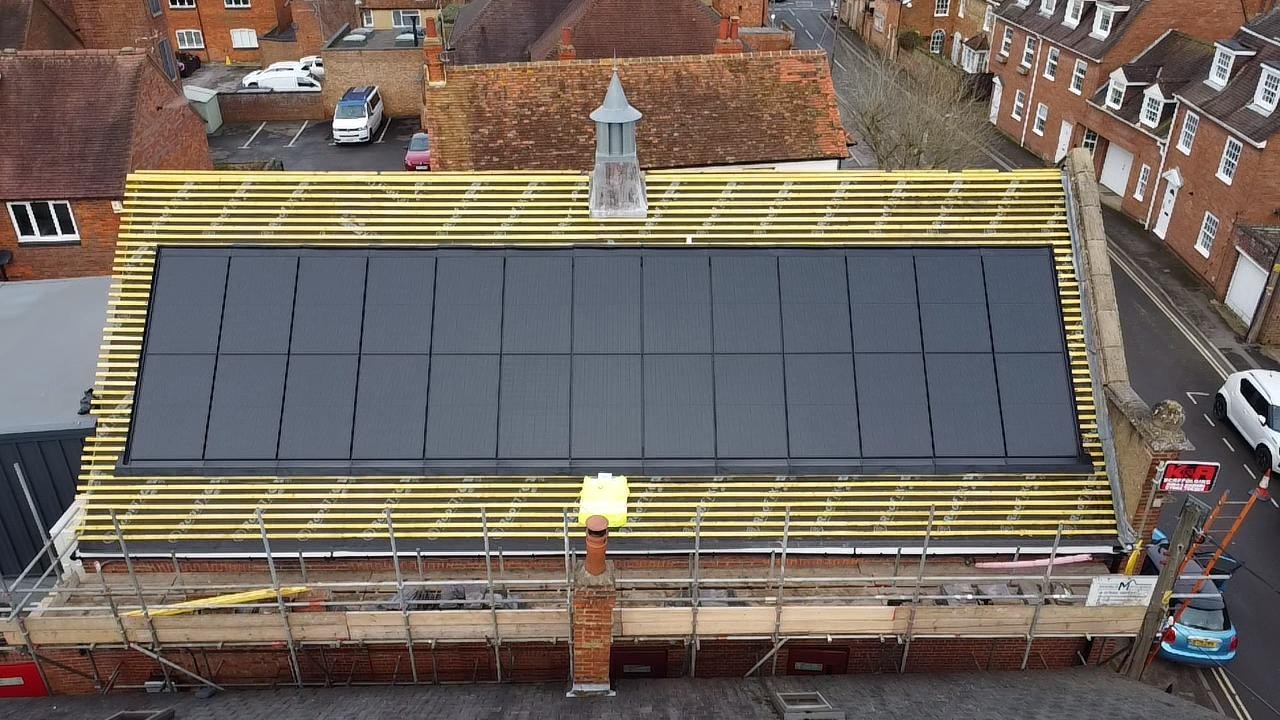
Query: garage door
x=1246 y=287
x=1115 y=169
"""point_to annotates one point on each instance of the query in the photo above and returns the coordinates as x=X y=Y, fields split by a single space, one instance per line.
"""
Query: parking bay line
x=1228 y=444
x=298 y=134
x=252 y=137
x=385 y=128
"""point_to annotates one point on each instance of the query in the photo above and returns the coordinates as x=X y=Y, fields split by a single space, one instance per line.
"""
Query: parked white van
x=281 y=80
x=359 y=115
x=313 y=64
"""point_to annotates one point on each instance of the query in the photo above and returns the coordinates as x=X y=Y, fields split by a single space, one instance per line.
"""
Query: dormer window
x=1115 y=94
x=1264 y=99
x=1022 y=3
x=1152 y=106
x=1102 y=21
x=1075 y=8
x=1223 y=59
x=1047 y=6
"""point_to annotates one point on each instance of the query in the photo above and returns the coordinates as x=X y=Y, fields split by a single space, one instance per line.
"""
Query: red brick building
x=75 y=24
x=956 y=30
x=220 y=29
x=67 y=153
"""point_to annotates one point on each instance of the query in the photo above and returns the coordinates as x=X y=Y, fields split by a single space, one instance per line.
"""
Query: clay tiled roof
x=493 y=31
x=75 y=142
x=699 y=110
x=1171 y=63
x=1078 y=39
x=1231 y=105
x=15 y=17
x=632 y=28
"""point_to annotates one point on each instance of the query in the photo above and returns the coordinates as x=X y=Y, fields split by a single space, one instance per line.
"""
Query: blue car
x=1203 y=635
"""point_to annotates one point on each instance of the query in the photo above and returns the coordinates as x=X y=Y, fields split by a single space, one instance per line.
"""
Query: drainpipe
x=1028 y=111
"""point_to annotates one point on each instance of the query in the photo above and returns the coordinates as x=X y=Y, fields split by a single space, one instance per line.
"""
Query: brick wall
x=397 y=72
x=751 y=13
x=217 y=21
x=316 y=22
x=884 y=39
x=97 y=224
x=273 y=50
x=921 y=16
x=114 y=24
x=593 y=607
x=609 y=29
x=767 y=39
x=240 y=107
x=47 y=31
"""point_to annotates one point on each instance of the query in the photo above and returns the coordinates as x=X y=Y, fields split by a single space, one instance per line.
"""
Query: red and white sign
x=1196 y=477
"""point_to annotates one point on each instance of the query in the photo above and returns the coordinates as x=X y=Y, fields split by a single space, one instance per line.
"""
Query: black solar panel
x=673 y=360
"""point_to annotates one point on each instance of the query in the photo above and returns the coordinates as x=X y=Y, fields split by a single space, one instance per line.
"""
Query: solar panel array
x=547 y=360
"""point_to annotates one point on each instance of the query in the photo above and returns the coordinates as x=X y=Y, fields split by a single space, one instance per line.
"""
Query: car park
x=358 y=115
x=1250 y=402
x=281 y=80
x=418 y=154
x=1201 y=633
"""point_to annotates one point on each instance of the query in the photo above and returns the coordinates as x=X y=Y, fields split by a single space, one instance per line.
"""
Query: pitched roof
x=76 y=142
x=1175 y=60
x=699 y=110
x=1231 y=105
x=15 y=19
x=494 y=31
x=632 y=28
x=1078 y=39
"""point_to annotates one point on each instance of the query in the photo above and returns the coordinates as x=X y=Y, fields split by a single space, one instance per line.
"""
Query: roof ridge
x=570 y=15
x=645 y=59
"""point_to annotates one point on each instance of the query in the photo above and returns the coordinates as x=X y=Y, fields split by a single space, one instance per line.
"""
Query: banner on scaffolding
x=1120 y=590
x=1187 y=476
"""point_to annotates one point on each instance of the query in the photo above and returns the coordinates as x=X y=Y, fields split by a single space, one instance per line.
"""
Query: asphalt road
x=308 y=145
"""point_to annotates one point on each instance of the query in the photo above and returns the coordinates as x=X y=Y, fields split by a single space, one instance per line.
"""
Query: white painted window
x=1144 y=177
x=1028 y=52
x=1051 y=64
x=244 y=38
x=180 y=4
x=1090 y=140
x=1042 y=119
x=941 y=8
x=1115 y=93
x=960 y=9
x=1019 y=105
x=1230 y=160
x=1006 y=42
x=936 y=41
x=1102 y=21
x=406 y=18
x=879 y=20
x=190 y=40
x=1221 y=70
x=236 y=3
x=1190 y=124
x=1264 y=100
x=366 y=18
x=38 y=221
x=1077 y=76
x=1208 y=229
x=1047 y=6
x=1075 y=8
x=974 y=62
x=988 y=19
x=1151 y=109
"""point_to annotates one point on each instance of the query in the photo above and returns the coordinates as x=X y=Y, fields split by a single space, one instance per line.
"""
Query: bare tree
x=916 y=115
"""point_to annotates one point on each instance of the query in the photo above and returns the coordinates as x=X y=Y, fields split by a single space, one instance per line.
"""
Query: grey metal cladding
x=893 y=407
x=963 y=405
x=328 y=305
x=953 y=302
x=391 y=401
x=607 y=402
x=746 y=315
x=1036 y=405
x=172 y=408
x=751 y=417
x=319 y=403
x=815 y=303
x=822 y=406
x=606 y=304
x=882 y=302
x=1023 y=301
x=468 y=312
x=244 y=418
x=533 y=416
x=679 y=407
x=187 y=303
x=397 y=305
x=258 y=311
x=462 y=415
x=677 y=303
x=537 y=298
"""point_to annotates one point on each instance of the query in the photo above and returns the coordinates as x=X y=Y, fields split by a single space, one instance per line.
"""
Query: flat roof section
x=499 y=362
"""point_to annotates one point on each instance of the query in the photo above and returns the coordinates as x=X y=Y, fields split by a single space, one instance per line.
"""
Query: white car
x=313 y=64
x=282 y=80
x=1250 y=401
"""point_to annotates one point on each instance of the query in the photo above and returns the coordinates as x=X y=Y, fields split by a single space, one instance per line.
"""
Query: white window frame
x=1268 y=93
x=237 y=4
x=988 y=19
x=63 y=236
x=1229 y=164
x=366 y=18
x=937 y=41
x=1152 y=107
x=1042 y=119
x=195 y=33
x=1220 y=70
x=238 y=45
x=942 y=8
x=1089 y=141
x=1075 y=8
x=1051 y=63
x=1115 y=94
x=398 y=16
x=1102 y=29
x=1047 y=6
x=1144 y=177
x=182 y=4
x=1208 y=231
x=878 y=20
x=1028 y=53
x=1187 y=137
x=1006 y=41
x=960 y=9
x=1077 y=77
x=1019 y=105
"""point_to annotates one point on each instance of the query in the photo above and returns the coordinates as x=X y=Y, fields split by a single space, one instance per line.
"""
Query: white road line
x=1228 y=444
x=806 y=32
x=1233 y=698
x=1276 y=504
x=1208 y=420
x=841 y=66
x=385 y=128
x=298 y=134
x=1192 y=396
x=1250 y=471
x=1213 y=697
x=249 y=142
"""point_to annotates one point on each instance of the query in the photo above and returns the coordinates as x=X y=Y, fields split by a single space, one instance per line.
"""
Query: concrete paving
x=308 y=145
x=1084 y=693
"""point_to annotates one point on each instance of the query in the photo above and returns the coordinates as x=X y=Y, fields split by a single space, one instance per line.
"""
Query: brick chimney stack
x=595 y=596
x=728 y=43
x=565 y=50
x=433 y=53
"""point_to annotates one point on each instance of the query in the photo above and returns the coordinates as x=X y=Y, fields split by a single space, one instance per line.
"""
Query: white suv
x=1250 y=401
x=358 y=115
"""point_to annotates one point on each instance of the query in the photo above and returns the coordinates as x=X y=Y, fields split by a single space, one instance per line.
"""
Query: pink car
x=418 y=156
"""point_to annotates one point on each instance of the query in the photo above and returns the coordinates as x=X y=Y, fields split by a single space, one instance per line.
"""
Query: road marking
x=298 y=134
x=1192 y=396
x=1206 y=419
x=806 y=32
x=253 y=136
x=841 y=66
x=1213 y=697
x=1250 y=471
x=1233 y=698
x=1275 y=504
x=385 y=128
x=1228 y=444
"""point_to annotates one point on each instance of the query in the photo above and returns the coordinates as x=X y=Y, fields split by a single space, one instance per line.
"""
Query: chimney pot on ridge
x=597 y=544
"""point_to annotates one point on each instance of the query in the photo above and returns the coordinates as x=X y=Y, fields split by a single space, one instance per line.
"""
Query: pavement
x=308 y=145
x=219 y=76
x=1081 y=693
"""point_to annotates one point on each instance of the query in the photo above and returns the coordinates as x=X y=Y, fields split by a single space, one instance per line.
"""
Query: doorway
x=1173 y=182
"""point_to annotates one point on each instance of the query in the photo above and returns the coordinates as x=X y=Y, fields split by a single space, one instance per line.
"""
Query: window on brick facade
x=39 y=221
x=1190 y=124
x=1028 y=52
x=1089 y=141
x=879 y=21
x=1115 y=94
x=1051 y=64
x=1208 y=230
x=406 y=18
x=1230 y=160
x=1047 y=6
x=1019 y=105
x=1144 y=177
x=936 y=41
x=167 y=59
x=1075 y=8
x=1220 y=72
x=941 y=8
x=1264 y=100
x=182 y=4
x=153 y=6
x=1042 y=119
x=1006 y=42
x=1102 y=22
x=1152 y=106
x=244 y=38
x=236 y=3
x=1077 y=76
x=190 y=40
x=988 y=19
